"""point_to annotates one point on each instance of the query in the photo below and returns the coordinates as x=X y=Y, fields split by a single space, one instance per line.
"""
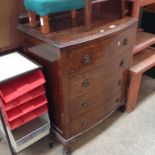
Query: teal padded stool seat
x=45 y=7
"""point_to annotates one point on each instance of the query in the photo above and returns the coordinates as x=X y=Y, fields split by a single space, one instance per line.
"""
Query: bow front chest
x=86 y=72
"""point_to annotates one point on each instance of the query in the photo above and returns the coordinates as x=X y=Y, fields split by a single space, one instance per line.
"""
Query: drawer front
x=95 y=115
x=123 y=41
x=87 y=56
x=100 y=52
x=99 y=77
x=90 y=100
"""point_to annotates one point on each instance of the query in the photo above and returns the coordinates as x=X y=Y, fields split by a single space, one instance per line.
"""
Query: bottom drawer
x=95 y=115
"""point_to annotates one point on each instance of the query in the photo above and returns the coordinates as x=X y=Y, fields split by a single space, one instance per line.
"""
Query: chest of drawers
x=86 y=73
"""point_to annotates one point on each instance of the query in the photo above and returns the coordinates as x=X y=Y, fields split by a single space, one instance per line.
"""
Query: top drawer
x=123 y=41
x=100 y=52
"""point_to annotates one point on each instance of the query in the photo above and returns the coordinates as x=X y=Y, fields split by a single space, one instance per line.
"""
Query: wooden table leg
x=44 y=22
x=32 y=18
x=136 y=8
x=133 y=92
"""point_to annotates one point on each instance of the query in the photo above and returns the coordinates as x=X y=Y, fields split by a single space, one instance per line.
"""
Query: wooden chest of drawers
x=86 y=73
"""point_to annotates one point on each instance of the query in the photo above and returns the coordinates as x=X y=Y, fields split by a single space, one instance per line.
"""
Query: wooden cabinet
x=86 y=73
x=9 y=13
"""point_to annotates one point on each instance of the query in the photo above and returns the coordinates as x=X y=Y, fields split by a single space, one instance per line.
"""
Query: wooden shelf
x=143 y=60
x=143 y=41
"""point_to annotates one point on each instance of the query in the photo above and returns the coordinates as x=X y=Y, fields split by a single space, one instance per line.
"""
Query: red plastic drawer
x=36 y=112
x=20 y=86
x=25 y=98
x=26 y=108
x=32 y=94
x=28 y=117
x=16 y=123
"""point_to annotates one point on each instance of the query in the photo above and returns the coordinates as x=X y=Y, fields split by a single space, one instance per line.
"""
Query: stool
x=45 y=7
x=142 y=62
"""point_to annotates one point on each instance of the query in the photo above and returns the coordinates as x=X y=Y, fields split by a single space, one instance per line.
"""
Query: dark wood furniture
x=143 y=41
x=9 y=12
x=86 y=73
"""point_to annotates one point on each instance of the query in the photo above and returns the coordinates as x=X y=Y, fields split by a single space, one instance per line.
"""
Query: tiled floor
x=121 y=134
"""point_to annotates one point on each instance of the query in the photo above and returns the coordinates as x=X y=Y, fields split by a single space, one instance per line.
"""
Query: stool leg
x=32 y=18
x=88 y=14
x=73 y=16
x=133 y=92
x=44 y=22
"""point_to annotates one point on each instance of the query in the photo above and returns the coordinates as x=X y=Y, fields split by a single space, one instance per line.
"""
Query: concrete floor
x=121 y=134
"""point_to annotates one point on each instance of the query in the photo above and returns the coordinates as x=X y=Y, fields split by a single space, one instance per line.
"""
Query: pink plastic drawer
x=26 y=108
x=20 y=86
x=28 y=117
x=25 y=98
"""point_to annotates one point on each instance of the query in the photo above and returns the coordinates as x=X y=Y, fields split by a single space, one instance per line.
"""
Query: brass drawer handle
x=86 y=59
x=85 y=104
x=122 y=63
x=125 y=42
x=84 y=123
x=85 y=83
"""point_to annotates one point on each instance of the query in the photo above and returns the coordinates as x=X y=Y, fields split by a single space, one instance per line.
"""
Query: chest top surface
x=77 y=35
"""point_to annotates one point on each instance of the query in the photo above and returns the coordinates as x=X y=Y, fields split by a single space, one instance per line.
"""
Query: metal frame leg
x=6 y=133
